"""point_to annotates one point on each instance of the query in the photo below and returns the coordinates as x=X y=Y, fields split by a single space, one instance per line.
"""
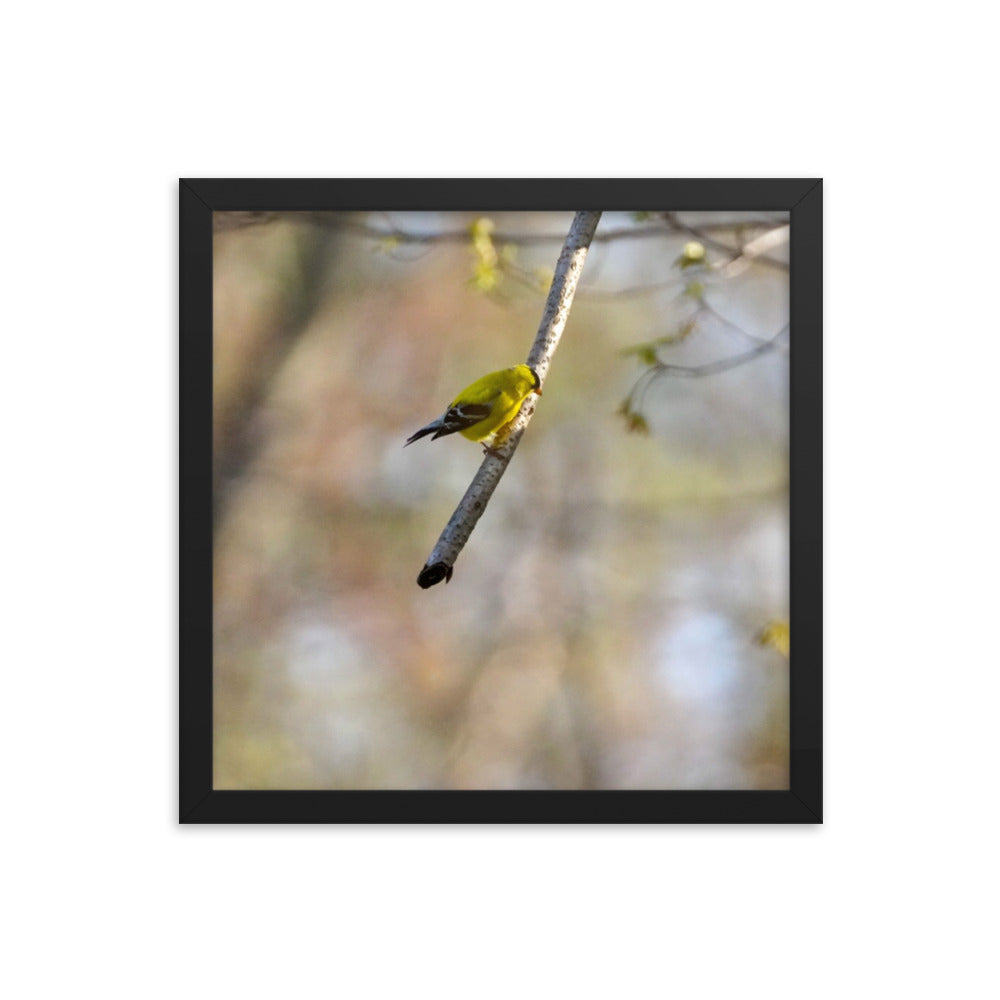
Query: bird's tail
x=424 y=431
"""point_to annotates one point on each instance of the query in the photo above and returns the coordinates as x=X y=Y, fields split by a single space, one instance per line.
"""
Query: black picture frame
x=199 y=802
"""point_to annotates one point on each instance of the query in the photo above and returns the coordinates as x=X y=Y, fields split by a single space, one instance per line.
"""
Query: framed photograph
x=501 y=501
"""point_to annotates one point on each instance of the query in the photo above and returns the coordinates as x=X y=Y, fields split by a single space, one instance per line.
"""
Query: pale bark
x=440 y=563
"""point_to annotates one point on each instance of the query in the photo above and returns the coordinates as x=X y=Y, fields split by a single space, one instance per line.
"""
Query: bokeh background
x=618 y=618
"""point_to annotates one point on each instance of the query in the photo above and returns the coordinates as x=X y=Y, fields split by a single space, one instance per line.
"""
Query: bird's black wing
x=461 y=417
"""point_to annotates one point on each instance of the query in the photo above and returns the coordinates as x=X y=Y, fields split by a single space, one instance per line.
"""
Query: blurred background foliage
x=618 y=618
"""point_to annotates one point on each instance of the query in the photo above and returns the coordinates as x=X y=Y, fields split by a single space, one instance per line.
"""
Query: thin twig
x=706 y=307
x=224 y=221
x=498 y=238
x=735 y=254
x=723 y=364
x=440 y=563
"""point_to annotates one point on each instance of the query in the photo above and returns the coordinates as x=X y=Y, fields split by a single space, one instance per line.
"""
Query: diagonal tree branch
x=735 y=254
x=441 y=562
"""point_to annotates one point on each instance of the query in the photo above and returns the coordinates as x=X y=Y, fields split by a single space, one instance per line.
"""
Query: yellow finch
x=482 y=409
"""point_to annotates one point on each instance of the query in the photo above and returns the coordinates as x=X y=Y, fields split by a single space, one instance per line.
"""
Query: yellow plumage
x=483 y=408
